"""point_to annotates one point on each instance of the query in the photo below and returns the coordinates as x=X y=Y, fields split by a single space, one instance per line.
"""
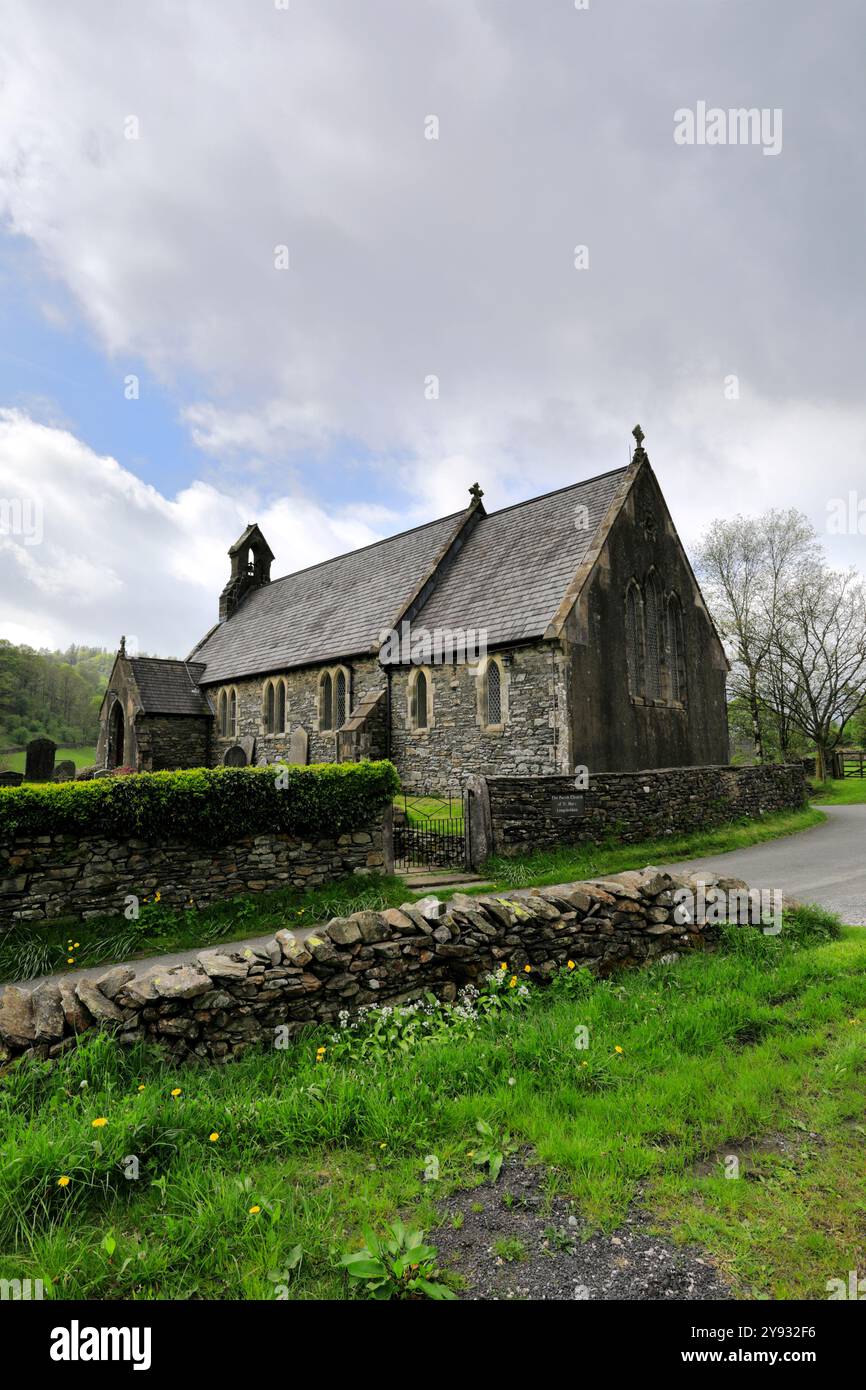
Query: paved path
x=824 y=865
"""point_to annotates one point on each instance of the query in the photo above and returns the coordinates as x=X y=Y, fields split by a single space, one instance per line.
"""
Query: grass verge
x=582 y=861
x=848 y=791
x=254 y=1179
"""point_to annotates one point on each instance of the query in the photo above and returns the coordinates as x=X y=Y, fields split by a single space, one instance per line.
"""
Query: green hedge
x=204 y=806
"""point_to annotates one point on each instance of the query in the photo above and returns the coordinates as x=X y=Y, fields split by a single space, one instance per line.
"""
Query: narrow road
x=825 y=865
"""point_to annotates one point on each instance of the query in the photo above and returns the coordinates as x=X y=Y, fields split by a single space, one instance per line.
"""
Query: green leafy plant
x=398 y=1265
x=494 y=1149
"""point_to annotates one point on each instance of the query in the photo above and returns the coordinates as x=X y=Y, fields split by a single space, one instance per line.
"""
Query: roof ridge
x=566 y=487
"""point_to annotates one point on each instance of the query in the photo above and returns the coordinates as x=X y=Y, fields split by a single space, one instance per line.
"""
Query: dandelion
x=100 y=1122
x=76 y=944
x=571 y=965
x=70 y=960
x=141 y=1088
x=63 y=1180
x=254 y=1211
x=157 y=897
x=214 y=1137
x=618 y=1049
x=503 y=965
x=320 y=1053
x=176 y=1092
x=512 y=982
x=527 y=968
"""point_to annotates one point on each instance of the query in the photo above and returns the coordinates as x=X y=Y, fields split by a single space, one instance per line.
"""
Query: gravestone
x=11 y=779
x=299 y=747
x=235 y=756
x=40 y=760
x=64 y=771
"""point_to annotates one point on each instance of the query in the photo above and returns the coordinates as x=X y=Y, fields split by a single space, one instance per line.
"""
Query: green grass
x=35 y=949
x=420 y=810
x=761 y=1047
x=571 y=862
x=82 y=757
x=848 y=791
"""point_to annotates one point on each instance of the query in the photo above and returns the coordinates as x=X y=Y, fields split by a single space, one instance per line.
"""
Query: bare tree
x=818 y=655
x=746 y=565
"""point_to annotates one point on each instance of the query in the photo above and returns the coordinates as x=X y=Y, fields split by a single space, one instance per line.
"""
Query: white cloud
x=116 y=556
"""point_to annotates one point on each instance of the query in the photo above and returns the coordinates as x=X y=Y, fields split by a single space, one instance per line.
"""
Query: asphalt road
x=824 y=865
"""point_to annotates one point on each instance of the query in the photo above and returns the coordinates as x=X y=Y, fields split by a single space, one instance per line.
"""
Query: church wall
x=533 y=740
x=302 y=709
x=612 y=730
x=167 y=741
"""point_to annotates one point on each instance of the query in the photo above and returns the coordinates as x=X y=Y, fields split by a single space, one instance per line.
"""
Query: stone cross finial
x=639 y=435
x=475 y=493
x=123 y=646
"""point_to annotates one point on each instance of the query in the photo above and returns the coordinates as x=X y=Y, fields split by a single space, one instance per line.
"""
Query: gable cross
x=476 y=493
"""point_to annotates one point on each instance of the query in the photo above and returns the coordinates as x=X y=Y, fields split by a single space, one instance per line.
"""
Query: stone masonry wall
x=166 y=741
x=226 y=1002
x=527 y=813
x=302 y=709
x=456 y=743
x=56 y=875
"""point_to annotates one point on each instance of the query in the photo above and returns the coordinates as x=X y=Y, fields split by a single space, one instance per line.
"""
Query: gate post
x=477 y=821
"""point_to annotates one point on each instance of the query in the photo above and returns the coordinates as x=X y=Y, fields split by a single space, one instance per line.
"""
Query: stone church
x=563 y=632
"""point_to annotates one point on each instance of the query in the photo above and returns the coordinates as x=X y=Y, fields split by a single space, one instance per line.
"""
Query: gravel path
x=508 y=1240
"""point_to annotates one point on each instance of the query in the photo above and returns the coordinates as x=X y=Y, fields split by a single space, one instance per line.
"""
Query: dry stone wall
x=227 y=1001
x=526 y=813
x=51 y=876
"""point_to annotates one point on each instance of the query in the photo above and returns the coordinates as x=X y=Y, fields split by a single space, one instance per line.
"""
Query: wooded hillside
x=53 y=693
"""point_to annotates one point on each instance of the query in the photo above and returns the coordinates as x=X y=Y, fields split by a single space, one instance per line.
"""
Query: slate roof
x=169 y=687
x=509 y=577
x=335 y=609
x=515 y=567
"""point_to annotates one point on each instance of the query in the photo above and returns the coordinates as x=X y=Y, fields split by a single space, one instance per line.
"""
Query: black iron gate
x=429 y=831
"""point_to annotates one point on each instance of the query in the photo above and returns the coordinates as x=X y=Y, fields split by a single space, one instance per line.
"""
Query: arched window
x=281 y=707
x=326 y=714
x=654 y=637
x=340 y=700
x=493 y=694
x=223 y=714
x=419 y=692
x=270 y=708
x=233 y=714
x=634 y=639
x=676 y=650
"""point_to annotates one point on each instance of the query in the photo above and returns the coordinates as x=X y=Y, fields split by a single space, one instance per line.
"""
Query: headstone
x=64 y=771
x=235 y=756
x=40 y=760
x=299 y=746
x=11 y=779
x=248 y=743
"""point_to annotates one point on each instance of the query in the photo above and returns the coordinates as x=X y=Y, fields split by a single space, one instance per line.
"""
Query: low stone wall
x=512 y=815
x=228 y=1001
x=60 y=876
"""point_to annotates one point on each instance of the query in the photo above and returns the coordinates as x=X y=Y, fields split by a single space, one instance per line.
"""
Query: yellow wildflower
x=99 y=1123
x=254 y=1211
x=618 y=1048
x=214 y=1137
x=503 y=965
x=63 y=1181
x=176 y=1092
x=512 y=982
x=527 y=968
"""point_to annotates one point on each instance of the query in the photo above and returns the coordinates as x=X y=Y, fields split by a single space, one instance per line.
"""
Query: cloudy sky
x=165 y=377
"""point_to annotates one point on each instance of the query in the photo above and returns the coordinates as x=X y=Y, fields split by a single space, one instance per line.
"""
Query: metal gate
x=430 y=831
